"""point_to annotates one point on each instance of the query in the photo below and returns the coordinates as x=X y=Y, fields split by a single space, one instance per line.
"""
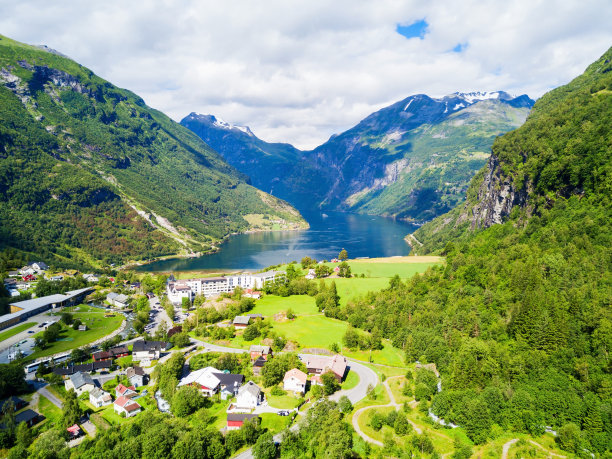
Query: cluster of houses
x=124 y=395
x=142 y=351
x=212 y=286
x=249 y=396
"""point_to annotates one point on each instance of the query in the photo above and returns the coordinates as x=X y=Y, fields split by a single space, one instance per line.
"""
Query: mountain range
x=411 y=160
x=90 y=174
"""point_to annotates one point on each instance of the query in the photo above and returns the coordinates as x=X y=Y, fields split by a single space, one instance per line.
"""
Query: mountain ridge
x=75 y=147
x=369 y=168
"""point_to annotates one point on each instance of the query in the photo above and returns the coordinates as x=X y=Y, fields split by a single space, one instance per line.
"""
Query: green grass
x=386 y=270
x=396 y=384
x=353 y=287
x=98 y=326
x=18 y=329
x=364 y=423
x=274 y=423
x=287 y=402
x=388 y=355
x=272 y=304
x=351 y=380
x=49 y=410
x=218 y=413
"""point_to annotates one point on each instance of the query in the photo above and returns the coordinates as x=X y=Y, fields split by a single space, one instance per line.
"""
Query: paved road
x=52 y=398
x=160 y=316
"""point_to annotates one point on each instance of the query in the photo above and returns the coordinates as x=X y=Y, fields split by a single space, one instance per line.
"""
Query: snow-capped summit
x=476 y=96
x=218 y=122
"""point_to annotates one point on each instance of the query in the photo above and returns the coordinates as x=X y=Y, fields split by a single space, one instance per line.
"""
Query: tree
x=264 y=447
x=50 y=445
x=72 y=410
x=401 y=426
x=478 y=421
x=307 y=262
x=76 y=323
x=343 y=255
x=251 y=332
x=8 y=414
x=12 y=379
x=344 y=269
x=23 y=435
x=568 y=437
x=67 y=318
x=351 y=338
x=322 y=270
x=330 y=383
x=345 y=404
x=186 y=401
x=275 y=368
x=185 y=303
x=180 y=340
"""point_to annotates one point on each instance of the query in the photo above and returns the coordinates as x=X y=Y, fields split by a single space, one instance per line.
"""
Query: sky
x=299 y=72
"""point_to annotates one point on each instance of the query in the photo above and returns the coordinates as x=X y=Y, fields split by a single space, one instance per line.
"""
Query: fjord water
x=360 y=235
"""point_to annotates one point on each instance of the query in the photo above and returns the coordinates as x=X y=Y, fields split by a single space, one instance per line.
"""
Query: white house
x=205 y=379
x=147 y=350
x=136 y=376
x=99 y=398
x=127 y=392
x=249 y=396
x=80 y=382
x=295 y=380
x=127 y=406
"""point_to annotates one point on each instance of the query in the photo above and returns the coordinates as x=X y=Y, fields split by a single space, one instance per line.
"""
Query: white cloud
x=300 y=71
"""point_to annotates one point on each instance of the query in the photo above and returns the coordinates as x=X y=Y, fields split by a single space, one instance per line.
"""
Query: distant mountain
x=411 y=160
x=89 y=174
x=266 y=164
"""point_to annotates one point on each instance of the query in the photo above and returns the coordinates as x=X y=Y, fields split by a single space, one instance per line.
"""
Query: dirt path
x=508 y=445
x=392 y=403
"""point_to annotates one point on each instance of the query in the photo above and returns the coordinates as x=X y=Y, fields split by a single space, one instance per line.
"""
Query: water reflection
x=360 y=235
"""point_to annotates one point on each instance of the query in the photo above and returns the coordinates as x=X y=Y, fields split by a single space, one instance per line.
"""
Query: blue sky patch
x=415 y=30
x=460 y=47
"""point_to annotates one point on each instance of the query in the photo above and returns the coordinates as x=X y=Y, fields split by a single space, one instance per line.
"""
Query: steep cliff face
x=497 y=196
x=561 y=153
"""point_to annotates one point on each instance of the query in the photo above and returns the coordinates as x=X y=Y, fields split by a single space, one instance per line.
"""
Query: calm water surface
x=360 y=235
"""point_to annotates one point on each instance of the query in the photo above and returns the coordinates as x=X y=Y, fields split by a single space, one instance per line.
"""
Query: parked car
x=283 y=413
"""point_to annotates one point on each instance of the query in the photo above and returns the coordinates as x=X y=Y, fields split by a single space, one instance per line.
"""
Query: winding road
x=392 y=403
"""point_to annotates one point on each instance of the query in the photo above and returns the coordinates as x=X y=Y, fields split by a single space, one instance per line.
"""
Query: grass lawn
x=218 y=412
x=364 y=423
x=49 y=410
x=353 y=287
x=396 y=384
x=388 y=355
x=387 y=269
x=18 y=329
x=98 y=326
x=274 y=423
x=287 y=402
x=124 y=362
x=272 y=304
x=351 y=380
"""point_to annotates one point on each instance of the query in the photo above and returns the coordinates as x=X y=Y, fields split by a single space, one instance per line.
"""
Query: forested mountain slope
x=411 y=160
x=519 y=321
x=89 y=173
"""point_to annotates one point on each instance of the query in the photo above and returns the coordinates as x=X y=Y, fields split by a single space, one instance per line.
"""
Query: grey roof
x=49 y=299
x=241 y=320
x=112 y=296
x=26 y=416
x=267 y=274
x=97 y=393
x=260 y=362
x=251 y=388
x=16 y=402
x=132 y=371
x=230 y=380
x=80 y=379
x=240 y=416
x=141 y=345
x=258 y=348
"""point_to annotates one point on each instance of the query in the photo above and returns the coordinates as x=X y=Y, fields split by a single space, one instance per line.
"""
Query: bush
x=250 y=333
x=377 y=420
x=276 y=390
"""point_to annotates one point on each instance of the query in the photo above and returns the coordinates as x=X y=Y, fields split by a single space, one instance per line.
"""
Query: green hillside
x=80 y=159
x=519 y=322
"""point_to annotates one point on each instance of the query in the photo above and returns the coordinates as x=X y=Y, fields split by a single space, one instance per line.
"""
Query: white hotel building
x=213 y=286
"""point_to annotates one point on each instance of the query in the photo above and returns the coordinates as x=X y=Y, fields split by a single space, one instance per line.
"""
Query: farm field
x=272 y=304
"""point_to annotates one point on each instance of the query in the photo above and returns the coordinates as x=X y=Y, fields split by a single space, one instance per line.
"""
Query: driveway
x=52 y=398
